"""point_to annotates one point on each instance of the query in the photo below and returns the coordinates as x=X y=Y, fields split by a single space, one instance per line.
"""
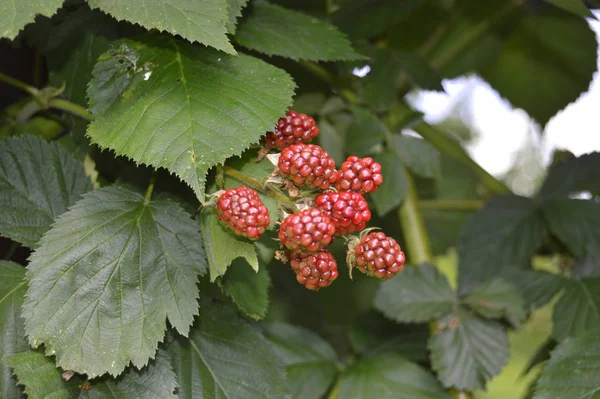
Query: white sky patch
x=502 y=131
x=147 y=75
x=361 y=72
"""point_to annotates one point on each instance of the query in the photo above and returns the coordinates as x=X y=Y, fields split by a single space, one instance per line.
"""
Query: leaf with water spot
x=167 y=103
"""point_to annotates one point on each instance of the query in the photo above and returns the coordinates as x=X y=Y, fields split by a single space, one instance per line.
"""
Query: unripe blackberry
x=377 y=255
x=348 y=210
x=359 y=174
x=306 y=231
x=243 y=211
x=307 y=165
x=295 y=128
x=314 y=271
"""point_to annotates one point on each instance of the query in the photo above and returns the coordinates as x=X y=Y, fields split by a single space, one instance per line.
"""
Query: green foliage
x=389 y=376
x=480 y=345
x=226 y=357
x=249 y=289
x=419 y=294
x=578 y=309
x=41 y=379
x=149 y=97
x=12 y=339
x=38 y=182
x=572 y=371
x=505 y=233
x=204 y=21
x=159 y=105
x=275 y=30
x=498 y=299
x=311 y=363
x=222 y=247
x=14 y=15
x=107 y=275
x=536 y=52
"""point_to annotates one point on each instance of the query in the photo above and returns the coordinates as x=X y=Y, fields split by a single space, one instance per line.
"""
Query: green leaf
x=373 y=334
x=420 y=156
x=576 y=223
x=536 y=287
x=42 y=379
x=419 y=293
x=571 y=176
x=577 y=310
x=12 y=336
x=541 y=50
x=223 y=246
x=246 y=164
x=203 y=21
x=498 y=299
x=389 y=376
x=365 y=132
x=275 y=30
x=235 y=11
x=332 y=140
x=309 y=359
x=576 y=7
x=394 y=188
x=505 y=233
x=368 y=18
x=379 y=88
x=225 y=357
x=38 y=182
x=468 y=351
x=572 y=371
x=14 y=15
x=166 y=103
x=106 y=277
x=248 y=289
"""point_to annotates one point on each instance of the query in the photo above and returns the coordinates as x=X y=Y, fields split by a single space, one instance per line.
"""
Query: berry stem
x=150 y=188
x=257 y=185
x=413 y=226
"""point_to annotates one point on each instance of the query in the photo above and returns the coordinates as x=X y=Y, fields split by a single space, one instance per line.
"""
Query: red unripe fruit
x=361 y=175
x=348 y=210
x=379 y=256
x=314 y=271
x=243 y=211
x=307 y=231
x=307 y=165
x=294 y=128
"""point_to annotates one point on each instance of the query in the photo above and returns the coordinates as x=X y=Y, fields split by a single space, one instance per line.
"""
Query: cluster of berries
x=340 y=208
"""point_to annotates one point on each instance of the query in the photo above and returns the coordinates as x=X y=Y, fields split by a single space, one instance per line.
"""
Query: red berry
x=379 y=255
x=307 y=165
x=295 y=128
x=244 y=212
x=306 y=231
x=348 y=210
x=316 y=270
x=359 y=174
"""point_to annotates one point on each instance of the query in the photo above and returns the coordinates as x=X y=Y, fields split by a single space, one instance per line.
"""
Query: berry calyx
x=362 y=175
x=314 y=271
x=294 y=128
x=348 y=210
x=307 y=165
x=377 y=255
x=307 y=231
x=243 y=211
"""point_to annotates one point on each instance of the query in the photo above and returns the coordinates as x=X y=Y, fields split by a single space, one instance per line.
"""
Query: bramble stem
x=150 y=188
x=70 y=107
x=11 y=251
x=258 y=186
x=19 y=85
